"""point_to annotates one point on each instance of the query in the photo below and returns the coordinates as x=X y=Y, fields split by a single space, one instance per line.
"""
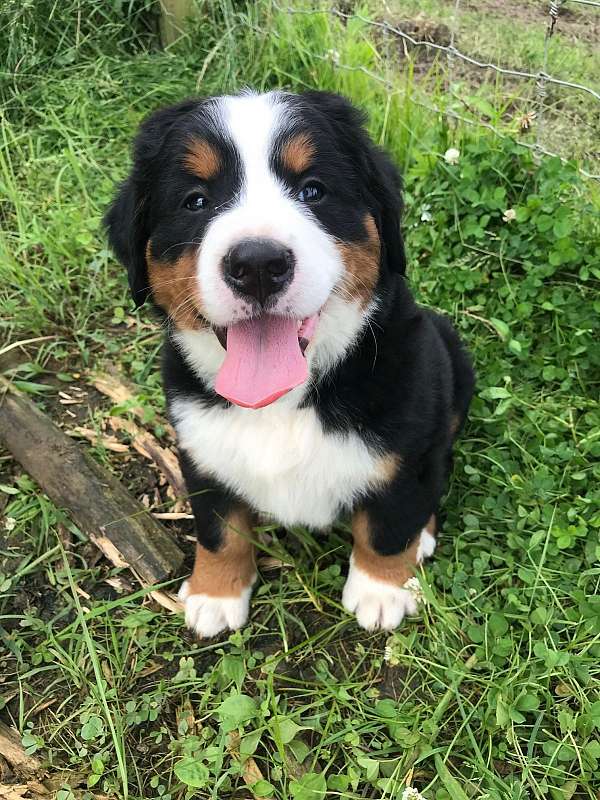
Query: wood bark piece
x=250 y=770
x=148 y=446
x=116 y=389
x=122 y=392
x=108 y=442
x=97 y=502
x=13 y=751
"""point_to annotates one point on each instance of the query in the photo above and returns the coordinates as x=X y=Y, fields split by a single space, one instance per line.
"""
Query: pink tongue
x=263 y=361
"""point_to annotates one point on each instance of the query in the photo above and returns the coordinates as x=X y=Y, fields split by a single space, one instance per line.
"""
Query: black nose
x=258 y=268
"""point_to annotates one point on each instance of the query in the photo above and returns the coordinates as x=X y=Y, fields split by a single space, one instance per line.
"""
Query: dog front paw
x=377 y=604
x=207 y=616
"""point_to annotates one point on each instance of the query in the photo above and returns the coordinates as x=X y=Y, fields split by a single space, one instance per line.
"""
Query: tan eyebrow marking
x=202 y=159
x=297 y=153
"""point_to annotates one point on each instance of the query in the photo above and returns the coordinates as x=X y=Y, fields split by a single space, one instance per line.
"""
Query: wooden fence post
x=173 y=17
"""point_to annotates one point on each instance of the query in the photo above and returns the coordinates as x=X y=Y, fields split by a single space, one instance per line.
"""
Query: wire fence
x=555 y=124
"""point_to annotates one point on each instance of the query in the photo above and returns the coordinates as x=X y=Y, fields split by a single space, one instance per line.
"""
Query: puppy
x=302 y=379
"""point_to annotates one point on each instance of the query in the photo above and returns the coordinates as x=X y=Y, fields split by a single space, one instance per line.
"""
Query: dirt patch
x=422 y=29
x=578 y=24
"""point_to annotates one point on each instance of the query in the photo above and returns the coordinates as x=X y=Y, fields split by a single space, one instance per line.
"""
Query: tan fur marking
x=175 y=289
x=297 y=154
x=202 y=159
x=387 y=468
x=231 y=569
x=361 y=260
x=396 y=569
x=454 y=424
x=431 y=526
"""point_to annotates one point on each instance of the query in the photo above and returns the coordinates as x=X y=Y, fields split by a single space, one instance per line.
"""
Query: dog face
x=257 y=207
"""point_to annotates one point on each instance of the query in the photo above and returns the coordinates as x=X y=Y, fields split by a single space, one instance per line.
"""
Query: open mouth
x=265 y=358
x=306 y=329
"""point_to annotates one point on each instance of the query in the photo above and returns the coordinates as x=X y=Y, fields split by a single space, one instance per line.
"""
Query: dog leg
x=375 y=589
x=216 y=596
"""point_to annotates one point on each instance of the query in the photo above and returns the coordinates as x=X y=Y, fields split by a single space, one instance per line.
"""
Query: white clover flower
x=414 y=587
x=412 y=794
x=390 y=654
x=10 y=523
x=509 y=215
x=452 y=155
x=426 y=213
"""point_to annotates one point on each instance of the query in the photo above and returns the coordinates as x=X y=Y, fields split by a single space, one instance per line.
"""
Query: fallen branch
x=97 y=502
x=13 y=751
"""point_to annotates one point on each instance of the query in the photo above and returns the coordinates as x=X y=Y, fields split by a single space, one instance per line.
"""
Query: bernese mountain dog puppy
x=301 y=377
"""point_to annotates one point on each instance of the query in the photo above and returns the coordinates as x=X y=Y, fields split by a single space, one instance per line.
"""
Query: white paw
x=377 y=604
x=426 y=545
x=208 y=616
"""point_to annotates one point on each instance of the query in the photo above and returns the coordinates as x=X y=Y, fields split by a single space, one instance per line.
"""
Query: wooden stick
x=13 y=751
x=97 y=502
x=174 y=15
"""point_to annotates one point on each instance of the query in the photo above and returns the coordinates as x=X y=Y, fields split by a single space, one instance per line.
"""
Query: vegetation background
x=494 y=692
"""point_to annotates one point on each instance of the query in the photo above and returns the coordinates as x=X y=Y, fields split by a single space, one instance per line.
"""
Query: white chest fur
x=278 y=458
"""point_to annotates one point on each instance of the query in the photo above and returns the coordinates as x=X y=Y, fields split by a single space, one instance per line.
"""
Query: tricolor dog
x=303 y=381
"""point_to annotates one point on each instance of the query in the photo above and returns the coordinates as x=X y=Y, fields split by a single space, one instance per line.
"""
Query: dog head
x=257 y=215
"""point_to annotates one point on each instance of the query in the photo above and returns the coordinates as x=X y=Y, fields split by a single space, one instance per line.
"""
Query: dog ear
x=385 y=188
x=126 y=220
x=380 y=179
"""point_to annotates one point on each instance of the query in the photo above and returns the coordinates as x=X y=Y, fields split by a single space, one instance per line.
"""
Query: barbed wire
x=586 y=3
x=541 y=79
x=445 y=48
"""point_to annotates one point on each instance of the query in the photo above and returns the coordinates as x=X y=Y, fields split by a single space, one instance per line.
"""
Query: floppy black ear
x=380 y=179
x=385 y=186
x=126 y=221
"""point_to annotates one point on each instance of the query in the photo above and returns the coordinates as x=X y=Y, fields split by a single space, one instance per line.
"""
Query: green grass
x=511 y=34
x=495 y=691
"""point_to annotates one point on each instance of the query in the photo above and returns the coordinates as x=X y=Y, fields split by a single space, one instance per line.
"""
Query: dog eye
x=311 y=192
x=195 y=201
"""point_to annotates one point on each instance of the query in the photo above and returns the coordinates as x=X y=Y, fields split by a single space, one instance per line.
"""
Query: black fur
x=404 y=388
x=338 y=129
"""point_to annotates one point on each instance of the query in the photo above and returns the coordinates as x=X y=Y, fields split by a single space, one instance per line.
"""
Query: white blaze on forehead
x=254 y=122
